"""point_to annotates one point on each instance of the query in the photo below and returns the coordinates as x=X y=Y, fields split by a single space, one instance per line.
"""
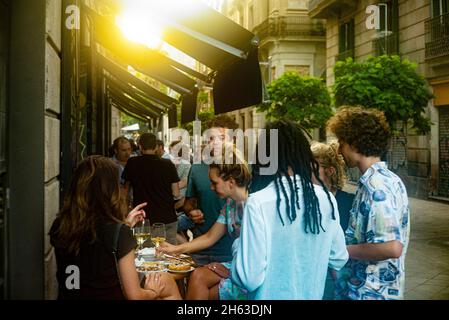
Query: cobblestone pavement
x=427 y=261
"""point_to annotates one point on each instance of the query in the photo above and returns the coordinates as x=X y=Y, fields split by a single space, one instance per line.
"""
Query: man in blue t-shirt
x=202 y=205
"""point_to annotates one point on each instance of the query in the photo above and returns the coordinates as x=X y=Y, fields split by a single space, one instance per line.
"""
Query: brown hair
x=222 y=121
x=327 y=156
x=93 y=195
x=233 y=165
x=148 y=141
x=366 y=130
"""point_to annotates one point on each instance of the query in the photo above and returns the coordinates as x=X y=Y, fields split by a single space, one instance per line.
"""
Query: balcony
x=290 y=26
x=437 y=36
x=386 y=44
x=323 y=9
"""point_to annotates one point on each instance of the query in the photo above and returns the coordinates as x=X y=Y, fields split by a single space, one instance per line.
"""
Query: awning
x=133 y=127
x=203 y=34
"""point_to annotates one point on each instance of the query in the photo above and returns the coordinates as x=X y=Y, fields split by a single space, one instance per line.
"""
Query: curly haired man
x=378 y=232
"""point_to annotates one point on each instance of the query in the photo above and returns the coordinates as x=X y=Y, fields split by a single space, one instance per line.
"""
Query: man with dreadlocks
x=378 y=231
x=290 y=231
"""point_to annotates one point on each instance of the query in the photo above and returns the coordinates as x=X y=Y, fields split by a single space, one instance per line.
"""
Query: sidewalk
x=427 y=261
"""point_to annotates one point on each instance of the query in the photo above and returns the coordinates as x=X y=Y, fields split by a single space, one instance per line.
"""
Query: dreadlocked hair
x=294 y=159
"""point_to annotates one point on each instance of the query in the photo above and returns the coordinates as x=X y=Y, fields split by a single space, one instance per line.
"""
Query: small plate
x=181 y=271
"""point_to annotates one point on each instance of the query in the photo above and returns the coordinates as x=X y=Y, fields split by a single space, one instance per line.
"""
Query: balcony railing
x=342 y=56
x=386 y=44
x=289 y=26
x=437 y=36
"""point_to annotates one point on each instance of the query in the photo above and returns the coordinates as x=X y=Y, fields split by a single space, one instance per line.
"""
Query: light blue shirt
x=273 y=261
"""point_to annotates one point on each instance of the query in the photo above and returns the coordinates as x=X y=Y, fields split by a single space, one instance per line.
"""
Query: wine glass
x=142 y=232
x=158 y=234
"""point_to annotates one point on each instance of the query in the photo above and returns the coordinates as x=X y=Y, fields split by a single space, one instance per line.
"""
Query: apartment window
x=302 y=70
x=439 y=7
x=387 y=41
x=389 y=16
x=273 y=74
x=346 y=40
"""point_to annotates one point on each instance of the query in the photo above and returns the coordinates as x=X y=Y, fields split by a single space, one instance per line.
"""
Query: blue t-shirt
x=210 y=204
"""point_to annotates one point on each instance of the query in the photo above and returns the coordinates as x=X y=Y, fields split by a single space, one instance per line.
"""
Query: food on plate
x=151 y=266
x=179 y=267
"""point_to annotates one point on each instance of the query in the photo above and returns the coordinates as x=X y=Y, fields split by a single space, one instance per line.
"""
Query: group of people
x=294 y=234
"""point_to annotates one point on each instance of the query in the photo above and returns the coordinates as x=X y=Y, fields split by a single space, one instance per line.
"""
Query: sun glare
x=140 y=31
x=144 y=21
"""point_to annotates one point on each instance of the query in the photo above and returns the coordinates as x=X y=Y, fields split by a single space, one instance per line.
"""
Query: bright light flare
x=139 y=28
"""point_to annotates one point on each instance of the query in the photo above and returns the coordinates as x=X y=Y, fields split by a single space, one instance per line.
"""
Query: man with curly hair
x=378 y=232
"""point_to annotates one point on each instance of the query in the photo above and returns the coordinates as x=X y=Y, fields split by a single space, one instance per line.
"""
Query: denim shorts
x=184 y=223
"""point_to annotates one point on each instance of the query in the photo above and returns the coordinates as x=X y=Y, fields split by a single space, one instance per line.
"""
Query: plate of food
x=180 y=268
x=181 y=259
x=152 y=266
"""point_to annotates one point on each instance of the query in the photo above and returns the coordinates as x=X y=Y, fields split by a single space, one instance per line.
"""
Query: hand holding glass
x=141 y=232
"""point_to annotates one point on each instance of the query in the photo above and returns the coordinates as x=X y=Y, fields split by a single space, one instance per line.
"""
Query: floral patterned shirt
x=380 y=213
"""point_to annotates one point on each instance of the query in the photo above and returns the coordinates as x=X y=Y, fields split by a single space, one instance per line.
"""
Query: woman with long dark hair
x=91 y=236
x=290 y=231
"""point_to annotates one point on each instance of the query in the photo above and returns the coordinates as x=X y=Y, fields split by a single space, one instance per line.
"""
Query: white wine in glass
x=142 y=232
x=158 y=234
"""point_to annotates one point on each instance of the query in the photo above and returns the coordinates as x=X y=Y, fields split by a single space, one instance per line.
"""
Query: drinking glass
x=158 y=234
x=142 y=232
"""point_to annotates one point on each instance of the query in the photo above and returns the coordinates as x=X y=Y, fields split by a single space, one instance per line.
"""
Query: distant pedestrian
x=378 y=232
x=154 y=181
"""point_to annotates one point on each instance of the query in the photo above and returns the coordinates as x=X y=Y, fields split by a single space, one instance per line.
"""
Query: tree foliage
x=386 y=83
x=302 y=99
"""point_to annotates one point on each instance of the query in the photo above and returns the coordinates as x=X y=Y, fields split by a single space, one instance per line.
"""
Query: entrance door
x=4 y=42
x=443 y=180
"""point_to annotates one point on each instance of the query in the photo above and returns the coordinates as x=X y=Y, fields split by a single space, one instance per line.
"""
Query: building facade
x=417 y=30
x=289 y=41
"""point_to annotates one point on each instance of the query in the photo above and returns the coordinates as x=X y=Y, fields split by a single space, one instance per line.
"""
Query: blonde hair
x=328 y=157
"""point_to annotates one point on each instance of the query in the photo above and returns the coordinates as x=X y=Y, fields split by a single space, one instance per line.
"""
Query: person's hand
x=219 y=269
x=136 y=215
x=154 y=283
x=168 y=248
x=196 y=216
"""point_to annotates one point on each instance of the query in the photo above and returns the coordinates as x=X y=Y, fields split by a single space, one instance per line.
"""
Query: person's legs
x=181 y=238
x=170 y=291
x=185 y=223
x=202 y=285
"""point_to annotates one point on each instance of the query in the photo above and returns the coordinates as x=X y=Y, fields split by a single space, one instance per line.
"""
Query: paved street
x=427 y=262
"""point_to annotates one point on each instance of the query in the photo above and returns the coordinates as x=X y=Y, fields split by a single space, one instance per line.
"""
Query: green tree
x=302 y=99
x=127 y=120
x=386 y=83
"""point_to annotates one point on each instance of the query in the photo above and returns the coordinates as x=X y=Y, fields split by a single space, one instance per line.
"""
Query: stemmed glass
x=142 y=232
x=158 y=234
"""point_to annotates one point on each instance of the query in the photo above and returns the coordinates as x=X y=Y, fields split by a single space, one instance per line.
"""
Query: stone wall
x=52 y=135
x=443 y=183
